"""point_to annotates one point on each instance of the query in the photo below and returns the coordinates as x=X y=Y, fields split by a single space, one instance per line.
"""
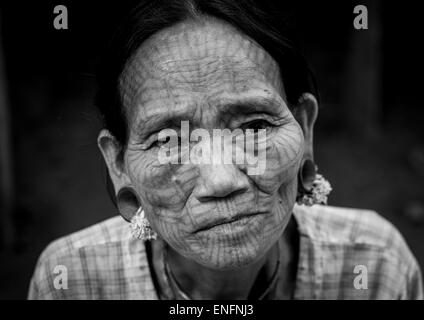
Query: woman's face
x=209 y=74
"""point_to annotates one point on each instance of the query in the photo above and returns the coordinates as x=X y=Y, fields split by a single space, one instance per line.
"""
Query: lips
x=227 y=221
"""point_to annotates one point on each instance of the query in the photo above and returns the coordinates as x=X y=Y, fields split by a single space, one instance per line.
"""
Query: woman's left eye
x=256 y=125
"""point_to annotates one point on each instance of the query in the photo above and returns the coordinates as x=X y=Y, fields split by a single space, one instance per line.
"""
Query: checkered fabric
x=344 y=254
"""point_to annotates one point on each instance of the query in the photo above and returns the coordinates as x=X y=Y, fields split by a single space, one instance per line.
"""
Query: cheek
x=283 y=156
x=163 y=188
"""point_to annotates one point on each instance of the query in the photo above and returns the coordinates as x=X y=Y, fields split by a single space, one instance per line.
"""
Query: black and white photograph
x=211 y=150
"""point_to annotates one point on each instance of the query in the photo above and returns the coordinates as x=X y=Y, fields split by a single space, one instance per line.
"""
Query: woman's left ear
x=306 y=113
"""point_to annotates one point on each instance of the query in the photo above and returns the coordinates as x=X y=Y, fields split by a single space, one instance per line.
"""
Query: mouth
x=226 y=223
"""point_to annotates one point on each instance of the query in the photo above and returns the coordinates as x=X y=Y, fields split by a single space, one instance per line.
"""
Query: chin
x=230 y=256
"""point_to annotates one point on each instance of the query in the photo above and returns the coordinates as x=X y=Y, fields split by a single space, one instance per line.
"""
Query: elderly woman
x=199 y=229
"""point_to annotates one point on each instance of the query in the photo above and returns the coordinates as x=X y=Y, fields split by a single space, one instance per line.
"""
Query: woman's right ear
x=111 y=149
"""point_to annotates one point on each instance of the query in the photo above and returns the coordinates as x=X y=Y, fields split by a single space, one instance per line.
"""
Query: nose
x=220 y=181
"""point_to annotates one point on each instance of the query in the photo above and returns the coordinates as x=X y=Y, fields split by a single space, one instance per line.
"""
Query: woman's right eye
x=159 y=143
x=166 y=140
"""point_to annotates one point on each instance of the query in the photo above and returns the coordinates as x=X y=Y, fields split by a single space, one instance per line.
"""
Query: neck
x=219 y=284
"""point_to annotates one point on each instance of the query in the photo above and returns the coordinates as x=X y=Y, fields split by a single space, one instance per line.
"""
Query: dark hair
x=151 y=16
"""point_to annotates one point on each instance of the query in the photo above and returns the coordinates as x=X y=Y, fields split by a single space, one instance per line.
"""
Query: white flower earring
x=140 y=227
x=313 y=188
x=129 y=207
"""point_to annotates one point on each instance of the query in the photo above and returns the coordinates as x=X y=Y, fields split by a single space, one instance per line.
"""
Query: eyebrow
x=158 y=122
x=253 y=105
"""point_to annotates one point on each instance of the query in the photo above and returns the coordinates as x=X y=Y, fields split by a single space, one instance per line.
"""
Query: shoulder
x=345 y=225
x=106 y=232
x=95 y=262
x=352 y=237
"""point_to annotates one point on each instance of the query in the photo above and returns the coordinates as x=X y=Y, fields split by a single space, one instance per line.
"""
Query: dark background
x=369 y=136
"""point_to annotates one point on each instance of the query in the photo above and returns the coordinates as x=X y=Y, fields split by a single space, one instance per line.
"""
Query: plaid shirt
x=344 y=254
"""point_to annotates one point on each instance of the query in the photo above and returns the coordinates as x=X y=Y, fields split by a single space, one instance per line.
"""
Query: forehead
x=196 y=63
